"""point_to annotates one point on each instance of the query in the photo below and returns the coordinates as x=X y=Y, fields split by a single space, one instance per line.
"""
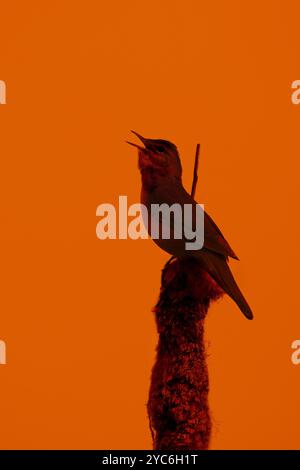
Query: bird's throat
x=151 y=178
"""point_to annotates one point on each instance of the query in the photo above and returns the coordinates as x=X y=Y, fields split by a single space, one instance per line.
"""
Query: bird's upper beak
x=142 y=139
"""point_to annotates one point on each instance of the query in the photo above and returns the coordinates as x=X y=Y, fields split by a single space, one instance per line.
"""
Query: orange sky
x=76 y=311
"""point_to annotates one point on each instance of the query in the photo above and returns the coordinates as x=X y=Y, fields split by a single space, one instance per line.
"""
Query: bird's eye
x=159 y=148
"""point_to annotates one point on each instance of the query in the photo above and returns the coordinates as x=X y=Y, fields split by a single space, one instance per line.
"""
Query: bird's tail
x=219 y=270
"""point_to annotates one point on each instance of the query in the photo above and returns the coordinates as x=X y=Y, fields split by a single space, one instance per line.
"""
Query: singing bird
x=161 y=171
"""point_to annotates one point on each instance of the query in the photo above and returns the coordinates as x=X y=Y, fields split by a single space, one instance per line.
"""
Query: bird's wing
x=219 y=270
x=213 y=237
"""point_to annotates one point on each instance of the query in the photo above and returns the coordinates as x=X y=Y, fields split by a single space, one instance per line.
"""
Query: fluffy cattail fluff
x=178 y=398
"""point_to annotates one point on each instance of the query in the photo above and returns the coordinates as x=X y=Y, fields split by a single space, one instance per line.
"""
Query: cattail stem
x=195 y=174
x=178 y=398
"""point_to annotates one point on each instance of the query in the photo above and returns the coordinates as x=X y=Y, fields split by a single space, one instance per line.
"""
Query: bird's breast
x=159 y=225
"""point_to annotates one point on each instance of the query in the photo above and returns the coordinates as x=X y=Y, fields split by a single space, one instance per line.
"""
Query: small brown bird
x=161 y=171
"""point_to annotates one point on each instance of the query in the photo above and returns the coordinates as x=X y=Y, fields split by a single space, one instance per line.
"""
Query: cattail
x=178 y=399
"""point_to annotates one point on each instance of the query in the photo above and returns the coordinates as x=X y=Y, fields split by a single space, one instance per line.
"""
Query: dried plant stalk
x=178 y=398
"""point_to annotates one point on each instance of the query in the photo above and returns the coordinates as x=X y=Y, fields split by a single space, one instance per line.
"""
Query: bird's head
x=158 y=156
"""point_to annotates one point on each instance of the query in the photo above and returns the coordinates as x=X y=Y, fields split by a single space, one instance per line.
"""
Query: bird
x=161 y=173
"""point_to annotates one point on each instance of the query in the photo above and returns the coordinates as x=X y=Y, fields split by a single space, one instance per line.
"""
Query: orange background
x=76 y=311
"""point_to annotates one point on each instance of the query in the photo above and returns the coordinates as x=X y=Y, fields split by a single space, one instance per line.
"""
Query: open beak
x=144 y=141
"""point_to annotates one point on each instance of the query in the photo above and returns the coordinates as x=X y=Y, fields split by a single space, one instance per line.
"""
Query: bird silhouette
x=161 y=171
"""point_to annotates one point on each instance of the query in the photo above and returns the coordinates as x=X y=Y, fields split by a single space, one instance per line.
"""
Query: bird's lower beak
x=142 y=139
x=135 y=145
